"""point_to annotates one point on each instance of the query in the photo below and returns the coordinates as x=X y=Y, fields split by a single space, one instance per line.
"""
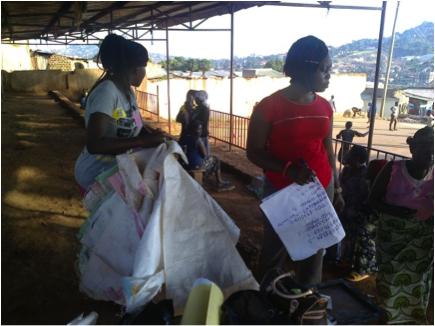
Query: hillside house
x=421 y=98
x=367 y=97
x=42 y=60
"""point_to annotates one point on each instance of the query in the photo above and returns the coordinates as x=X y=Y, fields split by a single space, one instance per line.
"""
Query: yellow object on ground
x=203 y=305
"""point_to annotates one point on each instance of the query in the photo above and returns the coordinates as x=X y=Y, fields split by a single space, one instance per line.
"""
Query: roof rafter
x=63 y=10
x=220 y=4
x=141 y=12
x=104 y=12
x=6 y=20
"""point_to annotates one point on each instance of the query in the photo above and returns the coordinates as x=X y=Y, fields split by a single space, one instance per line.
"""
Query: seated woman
x=403 y=194
x=196 y=153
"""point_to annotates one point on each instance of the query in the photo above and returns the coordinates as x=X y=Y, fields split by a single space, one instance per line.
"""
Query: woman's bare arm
x=98 y=143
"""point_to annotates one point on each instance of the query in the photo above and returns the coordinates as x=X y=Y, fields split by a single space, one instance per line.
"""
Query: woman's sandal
x=355 y=277
x=225 y=186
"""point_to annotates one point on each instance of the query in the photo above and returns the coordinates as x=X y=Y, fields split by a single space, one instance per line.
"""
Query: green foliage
x=275 y=64
x=179 y=63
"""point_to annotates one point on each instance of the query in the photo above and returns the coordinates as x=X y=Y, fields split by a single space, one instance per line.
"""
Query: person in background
x=113 y=122
x=369 y=112
x=394 y=113
x=195 y=151
x=403 y=195
x=332 y=102
x=202 y=113
x=347 y=135
x=288 y=125
x=186 y=110
x=356 y=111
x=83 y=98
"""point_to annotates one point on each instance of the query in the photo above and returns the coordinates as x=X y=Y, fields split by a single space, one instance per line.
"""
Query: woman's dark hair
x=193 y=125
x=118 y=56
x=190 y=97
x=304 y=58
x=424 y=135
x=360 y=152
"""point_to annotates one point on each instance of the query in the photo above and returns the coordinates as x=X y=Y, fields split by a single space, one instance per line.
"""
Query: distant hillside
x=417 y=41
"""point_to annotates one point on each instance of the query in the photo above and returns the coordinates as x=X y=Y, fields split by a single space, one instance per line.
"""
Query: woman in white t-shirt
x=113 y=122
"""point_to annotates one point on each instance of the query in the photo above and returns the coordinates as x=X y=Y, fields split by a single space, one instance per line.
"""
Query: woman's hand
x=302 y=175
x=338 y=203
x=152 y=140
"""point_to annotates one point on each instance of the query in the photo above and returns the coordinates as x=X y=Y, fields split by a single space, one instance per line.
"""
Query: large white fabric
x=158 y=227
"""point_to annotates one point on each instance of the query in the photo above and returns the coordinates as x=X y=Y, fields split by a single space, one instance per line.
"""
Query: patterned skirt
x=210 y=165
x=404 y=253
x=359 y=248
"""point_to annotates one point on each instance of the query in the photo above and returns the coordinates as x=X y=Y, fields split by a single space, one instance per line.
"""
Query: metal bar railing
x=147 y=104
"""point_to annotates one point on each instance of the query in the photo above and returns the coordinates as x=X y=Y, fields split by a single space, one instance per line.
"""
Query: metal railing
x=219 y=129
x=148 y=105
x=374 y=153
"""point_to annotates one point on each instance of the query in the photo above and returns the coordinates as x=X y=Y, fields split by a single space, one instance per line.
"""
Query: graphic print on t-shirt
x=125 y=122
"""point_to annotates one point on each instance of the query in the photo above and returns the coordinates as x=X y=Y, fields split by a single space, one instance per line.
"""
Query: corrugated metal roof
x=422 y=94
x=25 y=20
x=379 y=94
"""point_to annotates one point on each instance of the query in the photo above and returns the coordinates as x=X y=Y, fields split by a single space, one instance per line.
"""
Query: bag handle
x=288 y=296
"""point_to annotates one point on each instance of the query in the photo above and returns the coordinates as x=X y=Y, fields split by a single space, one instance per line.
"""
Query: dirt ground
x=42 y=211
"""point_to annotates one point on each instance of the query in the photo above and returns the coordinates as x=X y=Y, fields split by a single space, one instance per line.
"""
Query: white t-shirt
x=125 y=122
x=394 y=110
x=331 y=101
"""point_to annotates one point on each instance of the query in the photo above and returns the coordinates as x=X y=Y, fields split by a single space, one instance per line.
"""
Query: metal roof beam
x=104 y=12
x=63 y=10
x=147 y=9
x=303 y=5
x=188 y=14
x=5 y=18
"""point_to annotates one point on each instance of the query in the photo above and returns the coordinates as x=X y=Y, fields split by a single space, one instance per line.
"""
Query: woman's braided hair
x=118 y=56
x=304 y=58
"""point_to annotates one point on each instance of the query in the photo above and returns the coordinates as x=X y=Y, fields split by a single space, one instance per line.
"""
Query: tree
x=275 y=64
x=204 y=65
x=192 y=65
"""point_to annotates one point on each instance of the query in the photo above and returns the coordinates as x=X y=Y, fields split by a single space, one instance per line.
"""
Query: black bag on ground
x=302 y=305
x=250 y=307
x=152 y=314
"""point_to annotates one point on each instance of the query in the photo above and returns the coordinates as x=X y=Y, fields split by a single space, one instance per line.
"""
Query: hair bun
x=409 y=140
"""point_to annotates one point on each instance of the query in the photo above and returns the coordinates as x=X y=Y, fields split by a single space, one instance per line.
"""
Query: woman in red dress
x=289 y=125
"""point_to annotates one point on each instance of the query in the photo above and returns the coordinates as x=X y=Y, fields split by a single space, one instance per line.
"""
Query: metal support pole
x=168 y=77
x=231 y=77
x=375 y=90
x=393 y=37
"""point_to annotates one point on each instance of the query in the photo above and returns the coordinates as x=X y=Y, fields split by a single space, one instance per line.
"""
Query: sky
x=272 y=29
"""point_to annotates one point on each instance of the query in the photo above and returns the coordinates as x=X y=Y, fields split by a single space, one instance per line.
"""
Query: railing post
x=158 y=104
x=231 y=76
